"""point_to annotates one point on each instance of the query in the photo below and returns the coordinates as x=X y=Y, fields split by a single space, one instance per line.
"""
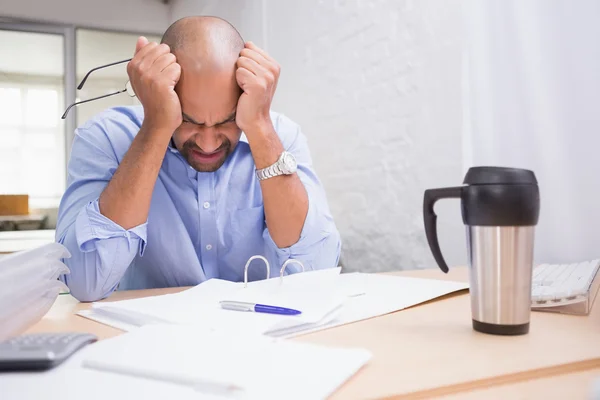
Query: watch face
x=290 y=163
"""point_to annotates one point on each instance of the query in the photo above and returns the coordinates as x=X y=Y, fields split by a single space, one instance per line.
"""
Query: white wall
x=534 y=96
x=376 y=88
x=149 y=16
x=246 y=15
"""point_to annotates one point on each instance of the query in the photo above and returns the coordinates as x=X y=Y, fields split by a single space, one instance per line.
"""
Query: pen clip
x=248 y=264
x=285 y=264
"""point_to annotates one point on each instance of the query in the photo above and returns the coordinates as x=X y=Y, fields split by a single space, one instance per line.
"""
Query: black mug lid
x=499 y=176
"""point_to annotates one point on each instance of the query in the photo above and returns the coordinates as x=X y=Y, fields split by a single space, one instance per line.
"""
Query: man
x=198 y=179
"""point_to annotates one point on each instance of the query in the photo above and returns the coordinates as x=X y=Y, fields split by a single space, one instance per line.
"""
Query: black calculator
x=41 y=351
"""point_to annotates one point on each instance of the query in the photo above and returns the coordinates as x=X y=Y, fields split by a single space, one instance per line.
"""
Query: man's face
x=208 y=100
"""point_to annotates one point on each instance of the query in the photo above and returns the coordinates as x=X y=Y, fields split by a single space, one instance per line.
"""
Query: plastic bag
x=29 y=285
x=51 y=251
x=18 y=316
x=29 y=274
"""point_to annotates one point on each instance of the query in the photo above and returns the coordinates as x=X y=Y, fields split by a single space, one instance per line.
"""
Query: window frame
x=68 y=31
x=69 y=59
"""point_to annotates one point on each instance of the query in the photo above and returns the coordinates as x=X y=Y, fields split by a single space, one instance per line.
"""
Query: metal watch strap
x=270 y=171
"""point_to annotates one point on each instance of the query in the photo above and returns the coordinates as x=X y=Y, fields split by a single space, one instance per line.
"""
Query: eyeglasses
x=128 y=87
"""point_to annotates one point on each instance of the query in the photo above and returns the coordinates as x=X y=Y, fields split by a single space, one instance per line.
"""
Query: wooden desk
x=576 y=385
x=425 y=351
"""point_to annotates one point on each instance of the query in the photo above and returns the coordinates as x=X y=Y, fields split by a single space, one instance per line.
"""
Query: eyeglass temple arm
x=92 y=99
x=97 y=68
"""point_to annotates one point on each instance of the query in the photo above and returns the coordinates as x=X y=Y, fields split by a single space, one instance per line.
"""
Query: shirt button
x=208 y=247
x=206 y=204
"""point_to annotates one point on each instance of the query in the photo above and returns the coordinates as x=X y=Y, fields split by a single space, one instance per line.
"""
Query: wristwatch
x=285 y=165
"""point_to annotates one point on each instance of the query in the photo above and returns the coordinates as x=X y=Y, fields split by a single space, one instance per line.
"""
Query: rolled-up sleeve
x=92 y=227
x=101 y=249
x=319 y=245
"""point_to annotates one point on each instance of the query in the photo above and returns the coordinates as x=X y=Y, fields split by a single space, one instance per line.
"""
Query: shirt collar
x=172 y=147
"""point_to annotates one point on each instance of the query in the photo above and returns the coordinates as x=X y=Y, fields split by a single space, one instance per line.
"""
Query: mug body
x=500 y=272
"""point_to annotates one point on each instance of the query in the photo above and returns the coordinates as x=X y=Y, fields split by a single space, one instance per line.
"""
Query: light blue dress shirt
x=201 y=225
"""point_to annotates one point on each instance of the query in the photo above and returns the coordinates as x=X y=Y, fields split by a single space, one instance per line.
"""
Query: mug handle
x=429 y=217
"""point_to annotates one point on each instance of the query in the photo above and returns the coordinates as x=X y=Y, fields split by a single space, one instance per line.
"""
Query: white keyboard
x=558 y=285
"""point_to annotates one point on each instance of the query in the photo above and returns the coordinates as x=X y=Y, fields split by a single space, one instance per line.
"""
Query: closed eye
x=229 y=120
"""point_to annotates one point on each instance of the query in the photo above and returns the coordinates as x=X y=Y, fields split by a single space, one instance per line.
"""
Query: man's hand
x=257 y=74
x=153 y=73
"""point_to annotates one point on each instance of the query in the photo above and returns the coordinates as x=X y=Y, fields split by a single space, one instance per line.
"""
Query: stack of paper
x=326 y=299
x=225 y=365
x=313 y=293
x=29 y=286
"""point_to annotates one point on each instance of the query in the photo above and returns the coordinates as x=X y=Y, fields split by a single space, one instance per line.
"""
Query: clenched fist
x=153 y=73
x=257 y=74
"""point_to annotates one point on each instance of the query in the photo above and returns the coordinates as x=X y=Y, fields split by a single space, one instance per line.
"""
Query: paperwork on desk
x=384 y=294
x=325 y=297
x=310 y=292
x=228 y=365
x=183 y=362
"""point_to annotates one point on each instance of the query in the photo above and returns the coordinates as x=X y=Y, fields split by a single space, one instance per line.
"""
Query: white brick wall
x=376 y=88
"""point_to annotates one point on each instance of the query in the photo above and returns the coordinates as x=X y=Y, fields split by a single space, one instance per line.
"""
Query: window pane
x=40 y=140
x=95 y=48
x=10 y=172
x=32 y=135
x=10 y=106
x=30 y=54
x=40 y=172
x=42 y=107
x=10 y=138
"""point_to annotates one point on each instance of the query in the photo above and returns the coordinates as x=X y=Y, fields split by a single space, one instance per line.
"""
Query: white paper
x=313 y=293
x=327 y=299
x=71 y=381
x=261 y=368
x=384 y=294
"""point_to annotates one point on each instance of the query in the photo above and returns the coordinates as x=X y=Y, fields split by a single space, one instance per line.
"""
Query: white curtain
x=532 y=100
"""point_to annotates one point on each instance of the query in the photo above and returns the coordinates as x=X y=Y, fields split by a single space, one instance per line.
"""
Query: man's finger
x=173 y=73
x=243 y=76
x=153 y=54
x=256 y=56
x=139 y=57
x=163 y=62
x=141 y=42
x=260 y=51
x=252 y=66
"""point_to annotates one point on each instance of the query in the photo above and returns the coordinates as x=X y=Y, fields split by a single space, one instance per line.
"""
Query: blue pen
x=253 y=307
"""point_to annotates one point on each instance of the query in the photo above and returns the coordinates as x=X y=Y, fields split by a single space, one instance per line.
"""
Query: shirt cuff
x=91 y=226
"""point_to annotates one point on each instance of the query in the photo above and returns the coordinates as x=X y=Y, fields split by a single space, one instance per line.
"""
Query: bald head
x=210 y=40
x=207 y=50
